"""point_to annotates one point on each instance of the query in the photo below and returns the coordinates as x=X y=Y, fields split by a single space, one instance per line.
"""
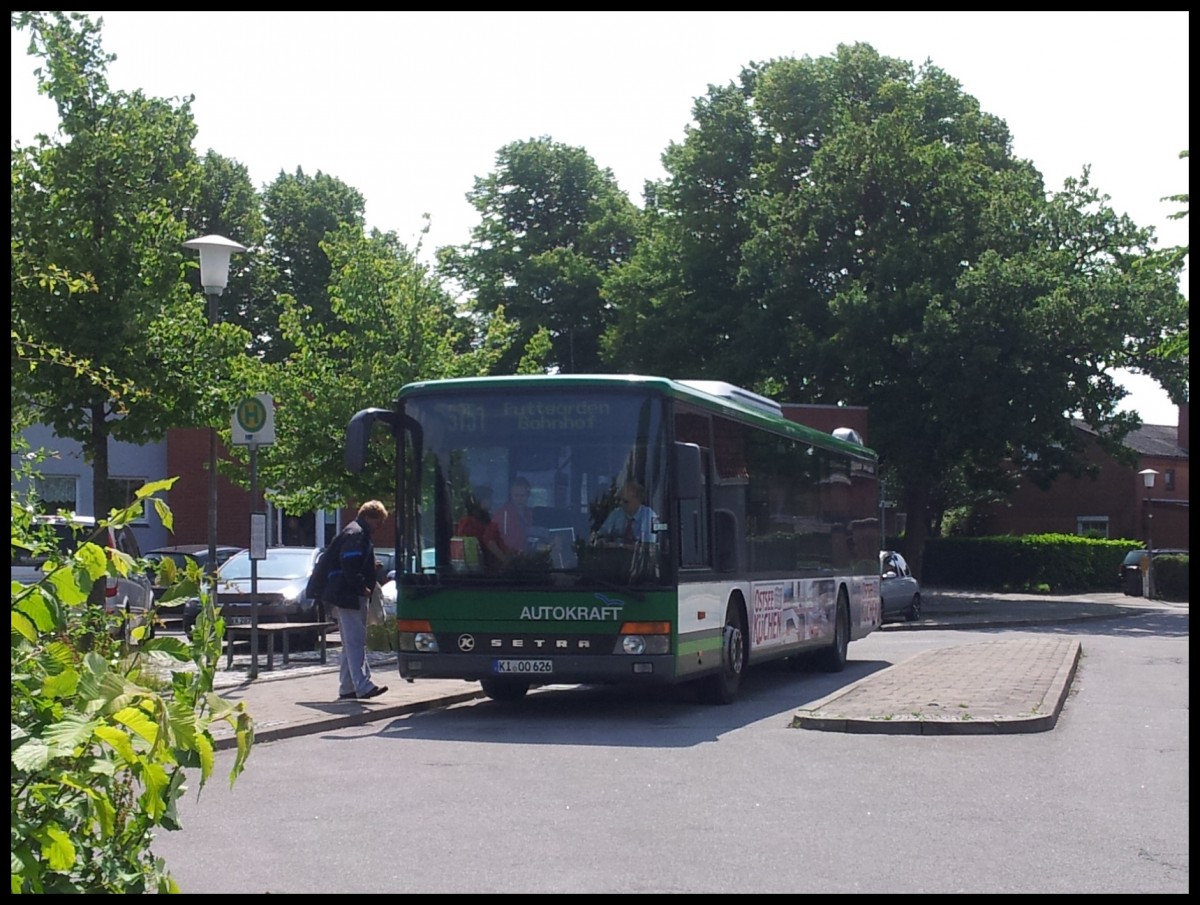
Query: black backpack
x=320 y=573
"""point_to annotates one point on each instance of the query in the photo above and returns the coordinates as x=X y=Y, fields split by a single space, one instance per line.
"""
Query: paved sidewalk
x=1005 y=685
x=302 y=700
x=997 y=685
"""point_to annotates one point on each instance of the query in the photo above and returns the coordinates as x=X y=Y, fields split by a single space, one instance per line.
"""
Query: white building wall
x=125 y=460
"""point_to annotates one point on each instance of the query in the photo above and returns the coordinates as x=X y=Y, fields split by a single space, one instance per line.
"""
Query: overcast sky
x=410 y=107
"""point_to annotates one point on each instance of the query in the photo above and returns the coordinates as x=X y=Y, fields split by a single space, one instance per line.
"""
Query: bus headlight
x=633 y=644
x=413 y=642
x=416 y=635
x=643 y=638
x=425 y=642
x=642 y=645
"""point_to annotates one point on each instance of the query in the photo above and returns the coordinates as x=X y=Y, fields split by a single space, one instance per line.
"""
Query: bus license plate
x=238 y=620
x=523 y=667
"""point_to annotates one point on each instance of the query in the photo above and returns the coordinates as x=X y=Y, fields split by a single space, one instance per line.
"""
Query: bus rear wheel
x=504 y=689
x=722 y=687
x=833 y=658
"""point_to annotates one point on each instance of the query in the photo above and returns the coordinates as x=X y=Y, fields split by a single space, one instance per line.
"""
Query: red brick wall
x=187 y=458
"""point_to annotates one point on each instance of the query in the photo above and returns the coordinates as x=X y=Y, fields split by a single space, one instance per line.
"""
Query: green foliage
x=1176 y=347
x=1033 y=562
x=101 y=751
x=302 y=213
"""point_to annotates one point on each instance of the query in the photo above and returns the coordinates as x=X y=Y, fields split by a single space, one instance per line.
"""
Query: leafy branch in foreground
x=99 y=754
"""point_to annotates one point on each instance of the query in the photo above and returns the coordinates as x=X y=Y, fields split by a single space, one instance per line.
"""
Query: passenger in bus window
x=477 y=519
x=508 y=532
x=477 y=515
x=631 y=522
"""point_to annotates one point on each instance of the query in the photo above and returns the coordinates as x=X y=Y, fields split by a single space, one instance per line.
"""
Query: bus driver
x=631 y=522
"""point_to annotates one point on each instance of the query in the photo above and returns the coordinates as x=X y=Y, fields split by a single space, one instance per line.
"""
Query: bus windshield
x=549 y=486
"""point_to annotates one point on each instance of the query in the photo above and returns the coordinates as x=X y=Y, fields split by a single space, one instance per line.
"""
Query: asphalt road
x=611 y=791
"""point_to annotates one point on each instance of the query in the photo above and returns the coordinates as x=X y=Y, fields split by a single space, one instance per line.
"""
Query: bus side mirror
x=358 y=434
x=687 y=471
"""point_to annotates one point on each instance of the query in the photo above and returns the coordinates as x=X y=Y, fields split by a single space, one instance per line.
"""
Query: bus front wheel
x=504 y=689
x=722 y=686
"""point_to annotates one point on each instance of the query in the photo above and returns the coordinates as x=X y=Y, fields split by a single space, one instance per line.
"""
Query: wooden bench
x=270 y=630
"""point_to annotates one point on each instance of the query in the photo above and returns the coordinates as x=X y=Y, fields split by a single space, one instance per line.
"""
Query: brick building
x=1114 y=504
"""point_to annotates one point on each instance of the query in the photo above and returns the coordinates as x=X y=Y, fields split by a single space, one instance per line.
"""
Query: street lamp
x=215 y=252
x=1148 y=476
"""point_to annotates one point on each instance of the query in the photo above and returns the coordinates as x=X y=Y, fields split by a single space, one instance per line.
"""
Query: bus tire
x=722 y=686
x=833 y=658
x=504 y=689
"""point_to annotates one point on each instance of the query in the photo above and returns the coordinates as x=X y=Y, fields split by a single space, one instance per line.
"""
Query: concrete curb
x=930 y=624
x=224 y=739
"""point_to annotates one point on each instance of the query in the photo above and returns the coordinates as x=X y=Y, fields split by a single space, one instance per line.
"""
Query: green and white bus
x=763 y=541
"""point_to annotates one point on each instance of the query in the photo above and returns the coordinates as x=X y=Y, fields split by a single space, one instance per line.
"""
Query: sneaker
x=374 y=692
x=348 y=696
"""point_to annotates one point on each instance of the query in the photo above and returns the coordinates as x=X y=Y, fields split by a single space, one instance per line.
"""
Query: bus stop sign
x=254 y=421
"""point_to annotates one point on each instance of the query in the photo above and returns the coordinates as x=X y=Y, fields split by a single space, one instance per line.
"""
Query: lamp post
x=1148 y=476
x=215 y=252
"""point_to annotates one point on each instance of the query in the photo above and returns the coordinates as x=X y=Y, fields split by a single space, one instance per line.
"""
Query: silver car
x=131 y=594
x=279 y=586
x=900 y=594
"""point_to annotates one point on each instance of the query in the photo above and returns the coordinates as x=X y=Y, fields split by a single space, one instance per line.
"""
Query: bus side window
x=725 y=541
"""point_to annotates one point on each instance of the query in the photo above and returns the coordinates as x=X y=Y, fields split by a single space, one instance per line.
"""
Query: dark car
x=282 y=577
x=899 y=592
x=385 y=557
x=1130 y=573
x=180 y=555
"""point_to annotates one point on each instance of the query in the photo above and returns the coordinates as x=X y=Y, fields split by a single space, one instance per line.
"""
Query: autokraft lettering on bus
x=608 y=611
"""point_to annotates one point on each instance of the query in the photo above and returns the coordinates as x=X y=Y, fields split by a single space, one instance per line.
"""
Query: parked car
x=282 y=577
x=386 y=559
x=1130 y=573
x=388 y=596
x=131 y=593
x=180 y=555
x=899 y=591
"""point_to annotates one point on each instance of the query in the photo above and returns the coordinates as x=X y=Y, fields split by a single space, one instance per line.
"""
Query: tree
x=301 y=212
x=552 y=224
x=851 y=230
x=104 y=202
